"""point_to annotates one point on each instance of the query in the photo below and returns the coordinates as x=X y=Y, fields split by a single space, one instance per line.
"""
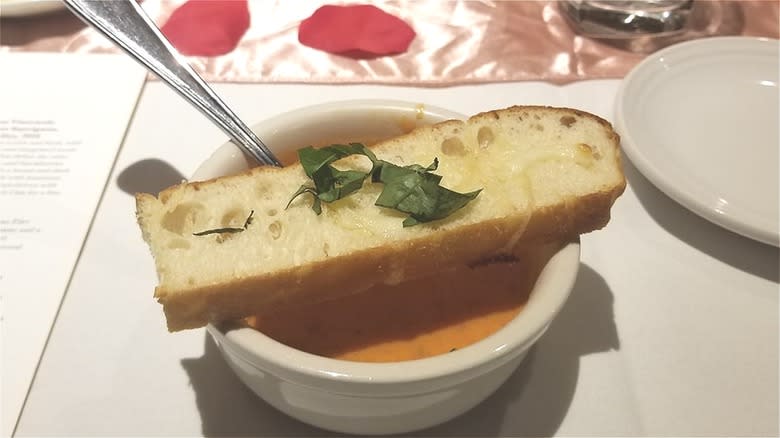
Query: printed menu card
x=62 y=121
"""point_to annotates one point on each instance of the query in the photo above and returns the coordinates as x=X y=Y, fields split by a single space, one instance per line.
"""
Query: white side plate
x=700 y=121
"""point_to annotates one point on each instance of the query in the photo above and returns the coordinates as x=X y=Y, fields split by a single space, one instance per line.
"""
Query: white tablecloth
x=672 y=328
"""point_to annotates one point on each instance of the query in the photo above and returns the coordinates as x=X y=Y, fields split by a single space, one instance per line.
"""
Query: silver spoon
x=128 y=26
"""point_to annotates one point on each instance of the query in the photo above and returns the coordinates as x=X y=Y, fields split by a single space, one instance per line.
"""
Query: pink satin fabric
x=458 y=42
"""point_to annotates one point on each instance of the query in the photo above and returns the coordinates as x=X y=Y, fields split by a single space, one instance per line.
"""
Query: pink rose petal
x=358 y=31
x=207 y=27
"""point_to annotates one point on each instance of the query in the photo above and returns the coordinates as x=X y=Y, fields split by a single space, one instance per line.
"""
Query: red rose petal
x=207 y=27
x=359 y=31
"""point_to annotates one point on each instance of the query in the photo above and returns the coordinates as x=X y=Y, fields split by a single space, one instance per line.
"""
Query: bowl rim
x=550 y=292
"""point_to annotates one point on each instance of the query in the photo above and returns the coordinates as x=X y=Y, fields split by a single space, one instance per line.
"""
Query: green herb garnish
x=227 y=229
x=330 y=184
x=410 y=189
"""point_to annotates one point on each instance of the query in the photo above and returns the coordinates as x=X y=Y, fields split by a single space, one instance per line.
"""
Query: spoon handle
x=128 y=26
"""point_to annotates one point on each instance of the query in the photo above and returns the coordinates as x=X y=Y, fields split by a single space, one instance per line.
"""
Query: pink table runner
x=457 y=42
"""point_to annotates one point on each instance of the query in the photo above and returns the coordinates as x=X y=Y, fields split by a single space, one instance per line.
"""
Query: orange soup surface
x=414 y=319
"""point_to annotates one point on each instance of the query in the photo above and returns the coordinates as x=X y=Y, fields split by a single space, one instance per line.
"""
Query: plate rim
x=650 y=171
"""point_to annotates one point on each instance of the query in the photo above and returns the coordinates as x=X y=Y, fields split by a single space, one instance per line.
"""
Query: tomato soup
x=415 y=319
x=404 y=124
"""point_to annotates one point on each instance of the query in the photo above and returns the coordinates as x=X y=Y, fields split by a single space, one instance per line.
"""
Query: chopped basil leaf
x=218 y=231
x=410 y=189
x=414 y=190
x=316 y=205
x=227 y=229
x=330 y=184
x=249 y=219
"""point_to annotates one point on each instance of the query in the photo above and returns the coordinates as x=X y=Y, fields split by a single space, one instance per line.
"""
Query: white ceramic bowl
x=379 y=398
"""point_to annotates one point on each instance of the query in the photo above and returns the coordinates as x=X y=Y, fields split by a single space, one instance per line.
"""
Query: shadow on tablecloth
x=149 y=175
x=533 y=402
x=747 y=255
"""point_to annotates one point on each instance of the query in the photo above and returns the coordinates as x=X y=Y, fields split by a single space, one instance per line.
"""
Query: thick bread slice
x=546 y=173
